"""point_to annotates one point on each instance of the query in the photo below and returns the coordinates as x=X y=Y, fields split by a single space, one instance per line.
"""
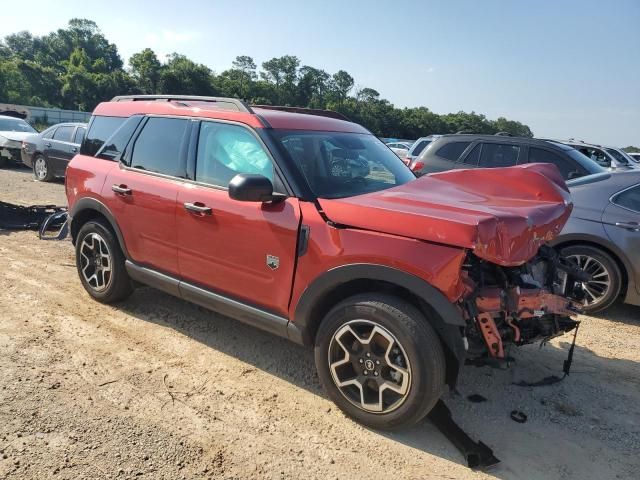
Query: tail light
x=417 y=166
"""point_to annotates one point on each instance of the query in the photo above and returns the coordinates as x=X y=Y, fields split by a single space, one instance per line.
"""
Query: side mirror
x=251 y=187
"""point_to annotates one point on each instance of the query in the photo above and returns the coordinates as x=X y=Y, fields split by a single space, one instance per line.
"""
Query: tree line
x=77 y=67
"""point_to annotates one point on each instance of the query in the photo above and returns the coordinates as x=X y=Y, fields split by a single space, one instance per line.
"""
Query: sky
x=566 y=68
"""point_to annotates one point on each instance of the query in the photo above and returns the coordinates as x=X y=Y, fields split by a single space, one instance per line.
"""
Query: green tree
x=283 y=72
x=341 y=85
x=183 y=76
x=146 y=70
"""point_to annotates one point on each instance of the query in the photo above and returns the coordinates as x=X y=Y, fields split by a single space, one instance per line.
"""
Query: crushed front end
x=505 y=306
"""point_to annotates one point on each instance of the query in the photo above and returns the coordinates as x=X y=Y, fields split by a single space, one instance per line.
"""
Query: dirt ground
x=159 y=388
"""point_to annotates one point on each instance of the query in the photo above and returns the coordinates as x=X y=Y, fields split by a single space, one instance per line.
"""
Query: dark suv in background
x=457 y=151
x=48 y=153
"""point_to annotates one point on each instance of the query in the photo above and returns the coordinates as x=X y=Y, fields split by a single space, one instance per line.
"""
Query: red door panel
x=227 y=249
x=146 y=216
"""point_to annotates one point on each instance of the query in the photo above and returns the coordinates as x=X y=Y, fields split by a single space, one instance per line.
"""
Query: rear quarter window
x=568 y=168
x=629 y=199
x=100 y=129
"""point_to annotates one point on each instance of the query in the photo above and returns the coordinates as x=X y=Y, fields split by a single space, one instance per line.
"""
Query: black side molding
x=447 y=322
x=248 y=314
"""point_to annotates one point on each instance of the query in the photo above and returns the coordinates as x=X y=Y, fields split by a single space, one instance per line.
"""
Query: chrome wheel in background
x=40 y=168
x=599 y=286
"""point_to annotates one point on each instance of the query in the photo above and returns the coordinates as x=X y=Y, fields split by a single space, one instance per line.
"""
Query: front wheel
x=41 y=169
x=380 y=361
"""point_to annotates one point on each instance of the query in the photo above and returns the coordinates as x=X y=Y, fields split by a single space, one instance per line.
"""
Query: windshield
x=585 y=162
x=15 y=125
x=617 y=155
x=338 y=165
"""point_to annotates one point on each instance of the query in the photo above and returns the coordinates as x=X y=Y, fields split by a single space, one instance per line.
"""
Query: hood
x=502 y=214
x=17 y=136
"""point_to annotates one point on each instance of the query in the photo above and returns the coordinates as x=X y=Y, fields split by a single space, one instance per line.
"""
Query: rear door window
x=63 y=133
x=100 y=130
x=453 y=150
x=495 y=155
x=160 y=145
x=568 y=168
x=629 y=199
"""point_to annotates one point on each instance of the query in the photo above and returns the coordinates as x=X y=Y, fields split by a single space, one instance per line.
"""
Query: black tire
x=48 y=175
x=119 y=285
x=418 y=341
x=609 y=264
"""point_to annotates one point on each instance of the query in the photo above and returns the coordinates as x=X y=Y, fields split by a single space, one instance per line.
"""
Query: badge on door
x=273 y=262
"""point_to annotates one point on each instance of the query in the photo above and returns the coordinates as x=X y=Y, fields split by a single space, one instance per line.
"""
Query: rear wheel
x=606 y=279
x=100 y=263
x=380 y=361
x=41 y=169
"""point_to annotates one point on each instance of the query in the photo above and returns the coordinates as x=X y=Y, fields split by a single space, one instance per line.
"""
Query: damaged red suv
x=304 y=224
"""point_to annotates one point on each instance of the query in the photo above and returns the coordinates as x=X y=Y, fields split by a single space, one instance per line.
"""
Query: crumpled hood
x=503 y=214
x=17 y=136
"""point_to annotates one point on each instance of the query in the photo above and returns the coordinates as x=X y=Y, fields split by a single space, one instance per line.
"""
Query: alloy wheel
x=95 y=262
x=369 y=366
x=40 y=167
x=598 y=287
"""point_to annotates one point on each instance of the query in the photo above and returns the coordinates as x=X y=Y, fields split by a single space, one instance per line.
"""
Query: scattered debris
x=477 y=455
x=19 y=217
x=476 y=398
x=518 y=416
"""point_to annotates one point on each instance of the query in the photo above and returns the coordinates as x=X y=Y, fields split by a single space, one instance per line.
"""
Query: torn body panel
x=503 y=214
x=518 y=305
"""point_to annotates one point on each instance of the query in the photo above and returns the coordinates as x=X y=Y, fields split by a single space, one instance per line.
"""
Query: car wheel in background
x=606 y=279
x=100 y=263
x=41 y=169
x=380 y=361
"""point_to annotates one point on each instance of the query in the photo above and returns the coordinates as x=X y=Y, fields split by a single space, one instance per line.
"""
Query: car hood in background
x=503 y=214
x=17 y=136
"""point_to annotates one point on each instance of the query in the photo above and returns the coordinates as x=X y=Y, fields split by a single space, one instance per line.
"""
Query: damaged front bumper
x=506 y=306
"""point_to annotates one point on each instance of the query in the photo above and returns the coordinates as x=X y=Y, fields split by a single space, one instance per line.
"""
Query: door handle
x=48 y=145
x=635 y=227
x=121 y=189
x=74 y=149
x=198 y=207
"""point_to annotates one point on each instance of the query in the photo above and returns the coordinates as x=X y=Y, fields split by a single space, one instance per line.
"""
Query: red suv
x=304 y=224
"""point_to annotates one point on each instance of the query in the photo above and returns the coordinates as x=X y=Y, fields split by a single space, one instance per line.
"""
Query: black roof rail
x=225 y=103
x=308 y=111
x=504 y=134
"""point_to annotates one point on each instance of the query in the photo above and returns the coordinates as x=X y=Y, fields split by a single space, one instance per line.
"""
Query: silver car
x=608 y=157
x=603 y=237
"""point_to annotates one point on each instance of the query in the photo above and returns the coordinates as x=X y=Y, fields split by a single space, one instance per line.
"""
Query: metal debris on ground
x=478 y=455
x=476 y=398
x=44 y=218
x=518 y=416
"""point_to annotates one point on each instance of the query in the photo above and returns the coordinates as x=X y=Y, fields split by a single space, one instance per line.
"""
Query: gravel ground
x=158 y=388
